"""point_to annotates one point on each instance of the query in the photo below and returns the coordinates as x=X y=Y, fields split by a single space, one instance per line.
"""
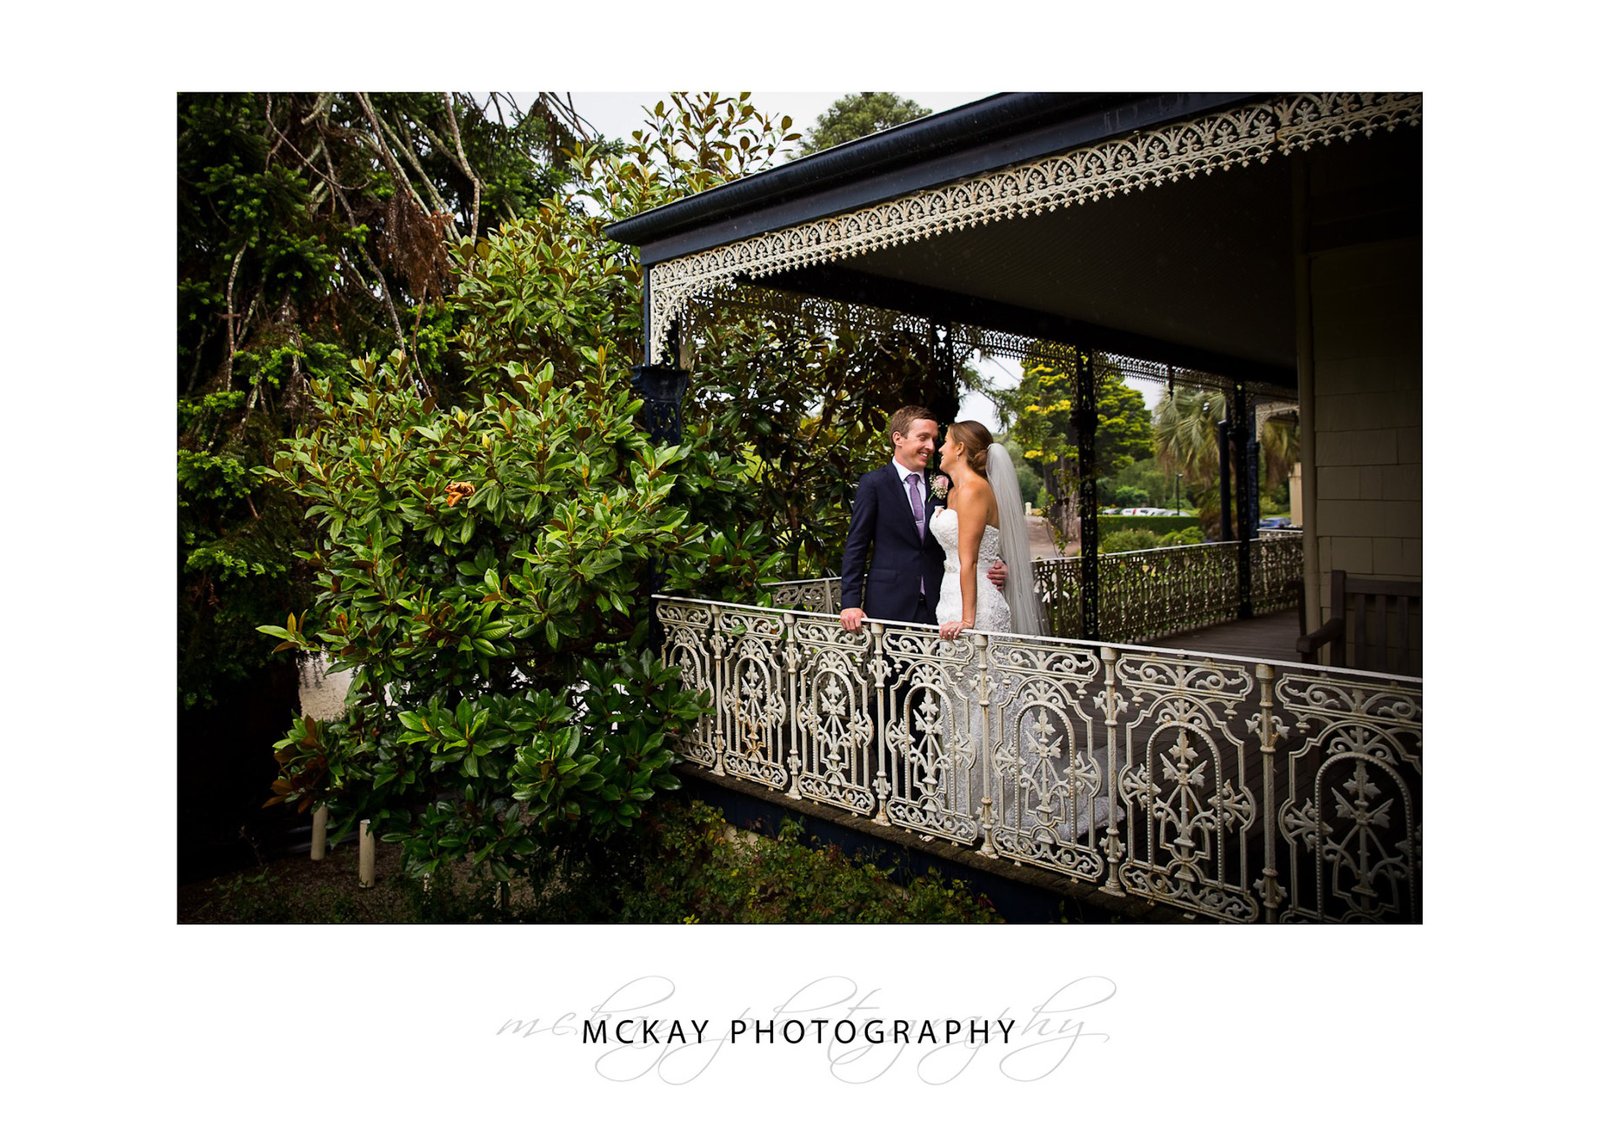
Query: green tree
x=1186 y=444
x=1130 y=539
x=1186 y=432
x=1039 y=414
x=312 y=229
x=853 y=116
x=1183 y=538
x=809 y=405
x=1280 y=451
x=480 y=567
x=1142 y=483
x=1029 y=483
x=481 y=546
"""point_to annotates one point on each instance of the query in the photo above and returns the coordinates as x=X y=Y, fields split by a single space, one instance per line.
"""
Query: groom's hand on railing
x=851 y=618
x=997 y=574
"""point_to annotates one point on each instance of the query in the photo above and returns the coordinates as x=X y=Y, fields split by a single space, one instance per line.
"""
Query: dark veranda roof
x=1197 y=271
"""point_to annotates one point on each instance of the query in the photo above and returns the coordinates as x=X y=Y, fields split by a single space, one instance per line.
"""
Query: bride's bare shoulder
x=977 y=498
x=969 y=493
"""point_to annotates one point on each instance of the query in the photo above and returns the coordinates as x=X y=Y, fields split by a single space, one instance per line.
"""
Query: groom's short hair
x=900 y=422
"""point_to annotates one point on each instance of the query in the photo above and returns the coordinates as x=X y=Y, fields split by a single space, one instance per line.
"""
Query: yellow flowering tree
x=1038 y=415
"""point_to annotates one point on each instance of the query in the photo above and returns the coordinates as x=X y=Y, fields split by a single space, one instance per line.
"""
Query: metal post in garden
x=661 y=387
x=1086 y=418
x=1244 y=490
x=1225 y=478
x=319 y=832
x=367 y=874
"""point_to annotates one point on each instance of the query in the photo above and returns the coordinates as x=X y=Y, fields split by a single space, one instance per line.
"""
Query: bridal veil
x=1014 y=543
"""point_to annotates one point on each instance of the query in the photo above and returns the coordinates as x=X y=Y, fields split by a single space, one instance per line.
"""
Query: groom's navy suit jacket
x=883 y=533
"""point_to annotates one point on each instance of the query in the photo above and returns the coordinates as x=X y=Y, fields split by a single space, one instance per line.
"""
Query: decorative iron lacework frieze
x=1144 y=159
x=717 y=302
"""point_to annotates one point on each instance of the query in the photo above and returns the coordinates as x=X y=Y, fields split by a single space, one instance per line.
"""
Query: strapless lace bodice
x=945 y=530
x=992 y=611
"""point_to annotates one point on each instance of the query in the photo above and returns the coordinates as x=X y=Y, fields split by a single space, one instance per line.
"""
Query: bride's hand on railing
x=953 y=628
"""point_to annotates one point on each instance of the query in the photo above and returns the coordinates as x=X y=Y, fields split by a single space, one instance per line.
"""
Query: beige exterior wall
x=1366 y=315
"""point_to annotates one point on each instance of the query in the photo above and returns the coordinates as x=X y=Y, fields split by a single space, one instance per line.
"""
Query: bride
x=1043 y=803
x=984 y=518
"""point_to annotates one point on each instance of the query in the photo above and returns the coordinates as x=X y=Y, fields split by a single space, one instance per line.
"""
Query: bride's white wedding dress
x=993 y=611
x=1033 y=834
x=993 y=614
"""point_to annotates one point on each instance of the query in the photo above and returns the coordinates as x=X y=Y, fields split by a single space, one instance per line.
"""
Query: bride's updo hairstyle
x=976 y=439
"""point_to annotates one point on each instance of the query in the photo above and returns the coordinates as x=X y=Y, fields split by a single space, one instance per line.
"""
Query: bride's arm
x=970 y=517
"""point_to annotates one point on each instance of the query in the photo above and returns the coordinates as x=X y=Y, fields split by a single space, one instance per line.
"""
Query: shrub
x=480 y=570
x=1157 y=524
x=1127 y=539
x=1182 y=538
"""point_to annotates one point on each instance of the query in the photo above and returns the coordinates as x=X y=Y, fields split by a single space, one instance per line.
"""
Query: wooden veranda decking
x=1267 y=638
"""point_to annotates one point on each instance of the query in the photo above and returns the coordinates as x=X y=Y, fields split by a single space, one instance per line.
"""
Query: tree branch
x=383 y=293
x=394 y=141
x=461 y=154
x=228 y=316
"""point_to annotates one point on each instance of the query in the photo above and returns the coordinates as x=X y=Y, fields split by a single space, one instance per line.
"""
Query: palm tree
x=1186 y=433
x=1280 y=449
x=1186 y=437
x=1186 y=442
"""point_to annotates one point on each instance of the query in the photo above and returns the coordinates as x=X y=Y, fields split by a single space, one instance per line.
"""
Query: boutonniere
x=940 y=486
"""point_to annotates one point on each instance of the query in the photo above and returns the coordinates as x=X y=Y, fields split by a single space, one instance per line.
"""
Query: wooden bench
x=1379 y=621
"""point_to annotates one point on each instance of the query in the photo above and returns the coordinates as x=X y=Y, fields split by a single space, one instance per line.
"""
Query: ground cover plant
x=685 y=865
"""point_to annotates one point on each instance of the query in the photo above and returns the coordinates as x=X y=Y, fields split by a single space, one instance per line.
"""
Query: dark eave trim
x=937 y=149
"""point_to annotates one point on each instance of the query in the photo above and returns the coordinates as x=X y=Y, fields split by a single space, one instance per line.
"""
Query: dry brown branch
x=563 y=116
x=383 y=292
x=390 y=144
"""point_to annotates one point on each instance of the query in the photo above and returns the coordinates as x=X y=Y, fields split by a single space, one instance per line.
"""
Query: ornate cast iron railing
x=1230 y=789
x=821 y=595
x=1277 y=568
x=1144 y=595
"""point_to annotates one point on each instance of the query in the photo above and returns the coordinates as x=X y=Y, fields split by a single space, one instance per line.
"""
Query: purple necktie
x=914 y=485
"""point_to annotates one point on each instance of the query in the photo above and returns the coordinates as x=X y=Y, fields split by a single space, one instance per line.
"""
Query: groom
x=889 y=530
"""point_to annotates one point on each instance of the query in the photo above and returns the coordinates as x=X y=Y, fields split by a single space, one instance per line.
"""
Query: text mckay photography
x=851 y=1031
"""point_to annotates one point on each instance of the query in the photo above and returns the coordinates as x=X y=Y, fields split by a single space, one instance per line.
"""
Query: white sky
x=617 y=114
